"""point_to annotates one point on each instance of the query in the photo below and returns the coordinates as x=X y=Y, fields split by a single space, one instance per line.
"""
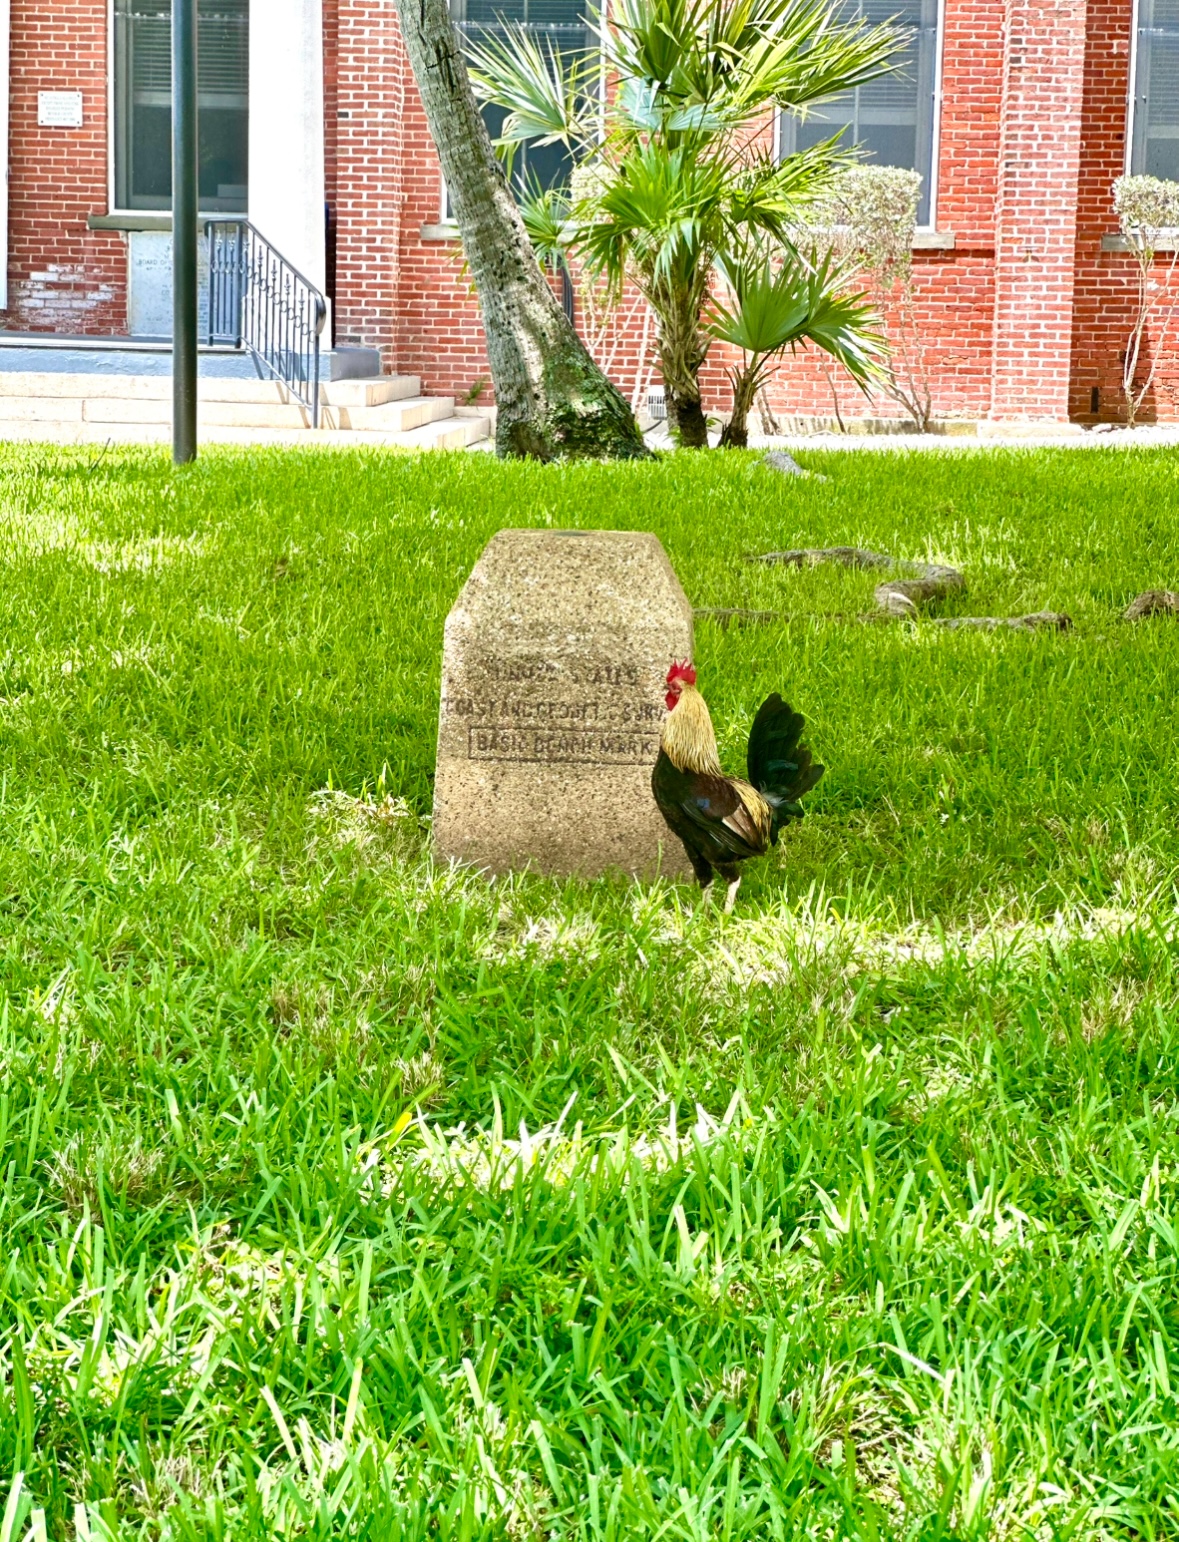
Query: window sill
x=1120 y=244
x=923 y=240
x=145 y=221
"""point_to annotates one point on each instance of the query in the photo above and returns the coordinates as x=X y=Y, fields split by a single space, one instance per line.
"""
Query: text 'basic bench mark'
x=595 y=747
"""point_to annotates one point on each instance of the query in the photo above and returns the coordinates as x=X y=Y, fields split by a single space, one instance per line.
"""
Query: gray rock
x=553 y=676
x=843 y=556
x=1038 y=621
x=904 y=596
x=1152 y=602
x=723 y=615
x=779 y=460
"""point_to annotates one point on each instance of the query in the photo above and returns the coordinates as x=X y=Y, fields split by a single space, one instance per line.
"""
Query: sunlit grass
x=344 y=1194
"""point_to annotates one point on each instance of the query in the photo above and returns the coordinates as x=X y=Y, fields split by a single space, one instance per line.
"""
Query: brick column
x=370 y=82
x=1036 y=211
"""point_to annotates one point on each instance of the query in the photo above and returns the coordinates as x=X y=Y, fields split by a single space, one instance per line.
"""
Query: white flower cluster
x=1145 y=207
x=871 y=211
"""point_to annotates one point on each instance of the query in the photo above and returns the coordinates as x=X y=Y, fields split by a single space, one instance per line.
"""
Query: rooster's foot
x=705 y=895
x=731 y=895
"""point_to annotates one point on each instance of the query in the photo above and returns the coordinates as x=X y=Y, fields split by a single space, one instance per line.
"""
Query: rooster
x=720 y=819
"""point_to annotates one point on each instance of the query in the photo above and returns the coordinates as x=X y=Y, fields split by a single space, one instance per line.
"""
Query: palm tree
x=552 y=399
x=671 y=183
x=772 y=309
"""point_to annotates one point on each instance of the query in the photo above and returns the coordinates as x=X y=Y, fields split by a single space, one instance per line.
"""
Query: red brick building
x=1019 y=114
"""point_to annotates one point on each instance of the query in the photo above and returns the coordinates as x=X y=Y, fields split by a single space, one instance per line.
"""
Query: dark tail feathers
x=780 y=767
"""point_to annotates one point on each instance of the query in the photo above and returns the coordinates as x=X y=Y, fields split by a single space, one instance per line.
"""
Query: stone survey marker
x=553 y=675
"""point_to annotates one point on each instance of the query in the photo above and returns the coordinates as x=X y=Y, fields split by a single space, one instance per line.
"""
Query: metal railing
x=259 y=302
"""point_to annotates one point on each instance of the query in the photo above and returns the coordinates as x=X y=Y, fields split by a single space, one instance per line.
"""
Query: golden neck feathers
x=688 y=738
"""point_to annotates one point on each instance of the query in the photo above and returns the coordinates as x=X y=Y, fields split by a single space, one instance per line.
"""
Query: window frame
x=1132 y=92
x=446 y=219
x=114 y=208
x=935 y=138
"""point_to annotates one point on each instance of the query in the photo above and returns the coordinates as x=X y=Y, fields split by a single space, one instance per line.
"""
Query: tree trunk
x=552 y=398
x=686 y=420
x=745 y=382
x=682 y=351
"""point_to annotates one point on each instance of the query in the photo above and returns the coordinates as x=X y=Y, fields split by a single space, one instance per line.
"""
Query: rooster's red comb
x=684 y=672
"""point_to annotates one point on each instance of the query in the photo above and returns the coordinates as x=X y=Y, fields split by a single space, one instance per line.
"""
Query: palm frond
x=545 y=212
x=767 y=194
x=661 y=209
x=771 y=309
x=541 y=89
x=734 y=56
x=812 y=54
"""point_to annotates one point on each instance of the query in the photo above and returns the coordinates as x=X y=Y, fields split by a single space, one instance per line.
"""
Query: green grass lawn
x=853 y=1215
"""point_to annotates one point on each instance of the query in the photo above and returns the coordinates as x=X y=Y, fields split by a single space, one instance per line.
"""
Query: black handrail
x=258 y=301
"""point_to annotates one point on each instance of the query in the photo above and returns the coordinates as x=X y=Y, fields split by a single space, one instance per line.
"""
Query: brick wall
x=1036 y=209
x=1106 y=282
x=365 y=102
x=1025 y=316
x=1015 y=320
x=62 y=277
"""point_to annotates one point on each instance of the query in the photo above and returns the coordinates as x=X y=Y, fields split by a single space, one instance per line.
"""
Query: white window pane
x=1155 y=143
x=143 y=104
x=560 y=23
x=890 y=119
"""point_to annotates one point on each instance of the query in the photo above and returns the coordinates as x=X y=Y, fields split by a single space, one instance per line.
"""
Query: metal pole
x=184 y=231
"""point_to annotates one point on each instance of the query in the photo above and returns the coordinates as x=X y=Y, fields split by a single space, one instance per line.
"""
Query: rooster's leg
x=702 y=867
x=732 y=877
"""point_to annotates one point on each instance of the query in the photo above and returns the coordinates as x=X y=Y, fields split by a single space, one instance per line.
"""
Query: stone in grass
x=779 y=460
x=1038 y=621
x=1153 y=602
x=726 y=614
x=554 y=672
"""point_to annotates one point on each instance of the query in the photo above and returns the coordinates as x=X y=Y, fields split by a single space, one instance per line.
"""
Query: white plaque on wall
x=59 y=109
x=149 y=284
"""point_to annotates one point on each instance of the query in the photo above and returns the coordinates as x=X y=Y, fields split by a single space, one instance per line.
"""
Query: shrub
x=869 y=217
x=1146 y=207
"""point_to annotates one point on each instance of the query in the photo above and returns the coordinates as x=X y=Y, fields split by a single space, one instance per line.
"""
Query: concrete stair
x=387 y=410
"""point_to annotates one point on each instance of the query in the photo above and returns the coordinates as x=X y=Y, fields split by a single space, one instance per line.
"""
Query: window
x=891 y=119
x=559 y=22
x=143 y=104
x=1154 y=143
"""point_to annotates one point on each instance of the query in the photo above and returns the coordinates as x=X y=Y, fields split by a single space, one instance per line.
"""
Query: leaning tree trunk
x=552 y=398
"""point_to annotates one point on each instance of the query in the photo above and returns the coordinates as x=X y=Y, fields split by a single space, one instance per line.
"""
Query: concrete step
x=107 y=411
x=44 y=385
x=214 y=414
x=442 y=434
x=445 y=434
x=370 y=393
x=395 y=417
x=451 y=433
x=133 y=388
x=127 y=409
